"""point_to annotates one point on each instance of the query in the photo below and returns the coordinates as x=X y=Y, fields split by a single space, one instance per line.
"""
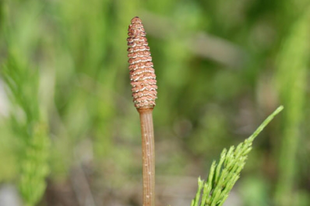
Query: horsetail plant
x=224 y=174
x=29 y=125
x=143 y=82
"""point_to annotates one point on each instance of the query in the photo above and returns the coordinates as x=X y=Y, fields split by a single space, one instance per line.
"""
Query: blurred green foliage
x=292 y=89
x=222 y=67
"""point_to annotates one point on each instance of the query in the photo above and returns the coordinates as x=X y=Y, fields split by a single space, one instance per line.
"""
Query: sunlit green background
x=222 y=66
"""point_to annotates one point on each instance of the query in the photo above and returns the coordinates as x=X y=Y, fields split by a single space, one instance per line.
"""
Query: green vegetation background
x=222 y=67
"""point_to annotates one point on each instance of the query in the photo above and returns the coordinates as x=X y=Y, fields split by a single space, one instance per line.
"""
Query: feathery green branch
x=28 y=124
x=224 y=174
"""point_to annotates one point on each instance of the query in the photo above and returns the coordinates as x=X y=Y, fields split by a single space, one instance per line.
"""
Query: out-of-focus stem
x=292 y=69
x=148 y=156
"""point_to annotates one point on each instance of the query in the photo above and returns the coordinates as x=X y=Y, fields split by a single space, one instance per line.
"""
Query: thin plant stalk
x=148 y=156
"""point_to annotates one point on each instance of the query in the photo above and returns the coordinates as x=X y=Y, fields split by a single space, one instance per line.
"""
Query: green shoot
x=224 y=174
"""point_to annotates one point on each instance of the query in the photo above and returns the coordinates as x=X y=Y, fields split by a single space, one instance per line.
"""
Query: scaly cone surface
x=142 y=74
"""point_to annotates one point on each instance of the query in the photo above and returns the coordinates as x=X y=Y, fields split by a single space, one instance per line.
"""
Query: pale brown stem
x=148 y=156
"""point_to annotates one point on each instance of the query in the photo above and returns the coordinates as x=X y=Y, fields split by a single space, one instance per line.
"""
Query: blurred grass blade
x=292 y=64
